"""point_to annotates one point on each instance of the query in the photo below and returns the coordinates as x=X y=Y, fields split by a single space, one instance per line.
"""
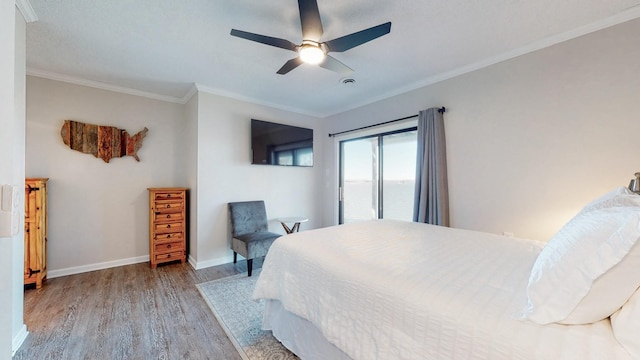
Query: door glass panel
x=360 y=173
x=377 y=176
x=399 y=174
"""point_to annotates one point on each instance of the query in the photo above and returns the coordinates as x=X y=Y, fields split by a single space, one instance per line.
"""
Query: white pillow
x=609 y=291
x=620 y=196
x=588 y=269
x=626 y=325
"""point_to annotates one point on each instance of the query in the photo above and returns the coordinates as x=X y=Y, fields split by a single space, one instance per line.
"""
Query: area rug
x=241 y=318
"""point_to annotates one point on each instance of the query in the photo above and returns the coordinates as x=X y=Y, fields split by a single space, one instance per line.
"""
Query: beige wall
x=530 y=140
x=225 y=173
x=98 y=212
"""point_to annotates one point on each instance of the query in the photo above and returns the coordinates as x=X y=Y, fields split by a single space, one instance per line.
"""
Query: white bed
x=399 y=290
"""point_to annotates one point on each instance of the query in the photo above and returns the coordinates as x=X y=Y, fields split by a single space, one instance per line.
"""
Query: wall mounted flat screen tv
x=279 y=144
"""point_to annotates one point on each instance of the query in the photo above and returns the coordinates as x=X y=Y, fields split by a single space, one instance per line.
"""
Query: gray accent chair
x=249 y=231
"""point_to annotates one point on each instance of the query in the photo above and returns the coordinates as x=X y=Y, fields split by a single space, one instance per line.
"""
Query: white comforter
x=397 y=290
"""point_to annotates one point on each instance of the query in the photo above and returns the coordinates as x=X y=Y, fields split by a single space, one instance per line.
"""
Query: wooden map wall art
x=103 y=142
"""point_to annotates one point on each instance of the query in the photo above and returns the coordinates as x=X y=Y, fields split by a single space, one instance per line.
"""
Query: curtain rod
x=441 y=110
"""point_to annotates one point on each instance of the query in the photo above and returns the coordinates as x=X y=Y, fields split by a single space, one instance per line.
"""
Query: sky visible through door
x=365 y=160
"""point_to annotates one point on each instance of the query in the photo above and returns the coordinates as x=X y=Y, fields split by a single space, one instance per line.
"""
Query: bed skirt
x=298 y=335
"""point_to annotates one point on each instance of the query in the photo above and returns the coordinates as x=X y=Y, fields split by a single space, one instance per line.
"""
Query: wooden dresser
x=167 y=225
x=35 y=231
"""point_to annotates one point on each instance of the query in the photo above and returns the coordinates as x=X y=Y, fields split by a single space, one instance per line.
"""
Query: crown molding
x=27 y=11
x=624 y=16
x=630 y=14
x=232 y=95
x=187 y=97
x=100 y=85
x=619 y=18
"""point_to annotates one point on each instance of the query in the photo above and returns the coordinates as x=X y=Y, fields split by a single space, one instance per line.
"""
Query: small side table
x=296 y=220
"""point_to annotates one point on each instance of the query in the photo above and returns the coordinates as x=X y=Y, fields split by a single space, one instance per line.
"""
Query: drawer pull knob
x=169 y=246
x=168 y=206
x=169 y=226
x=169 y=255
x=168 y=216
x=168 y=195
x=168 y=236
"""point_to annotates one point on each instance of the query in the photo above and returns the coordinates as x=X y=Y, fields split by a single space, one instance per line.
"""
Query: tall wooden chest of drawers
x=35 y=231
x=167 y=225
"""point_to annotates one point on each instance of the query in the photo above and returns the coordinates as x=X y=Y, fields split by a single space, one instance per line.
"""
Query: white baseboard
x=192 y=262
x=134 y=260
x=93 y=267
x=209 y=263
x=19 y=339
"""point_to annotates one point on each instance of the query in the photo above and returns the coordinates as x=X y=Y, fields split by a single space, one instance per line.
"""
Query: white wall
x=18 y=328
x=190 y=138
x=530 y=140
x=225 y=173
x=98 y=212
x=9 y=124
x=12 y=55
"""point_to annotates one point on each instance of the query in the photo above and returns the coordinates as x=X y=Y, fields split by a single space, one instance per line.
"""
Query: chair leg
x=235 y=257
x=249 y=265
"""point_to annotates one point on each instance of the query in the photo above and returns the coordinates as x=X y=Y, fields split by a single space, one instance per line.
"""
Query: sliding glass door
x=377 y=176
x=360 y=170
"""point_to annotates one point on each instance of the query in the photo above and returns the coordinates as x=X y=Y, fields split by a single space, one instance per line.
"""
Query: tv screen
x=279 y=144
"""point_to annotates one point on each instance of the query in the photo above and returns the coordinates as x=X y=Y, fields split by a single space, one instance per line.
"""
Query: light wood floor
x=128 y=312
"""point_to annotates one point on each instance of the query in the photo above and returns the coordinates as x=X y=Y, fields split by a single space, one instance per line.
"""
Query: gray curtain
x=431 y=203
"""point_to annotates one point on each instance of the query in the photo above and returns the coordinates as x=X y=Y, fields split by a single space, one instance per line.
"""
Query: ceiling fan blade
x=310 y=20
x=331 y=63
x=352 y=40
x=290 y=65
x=268 y=40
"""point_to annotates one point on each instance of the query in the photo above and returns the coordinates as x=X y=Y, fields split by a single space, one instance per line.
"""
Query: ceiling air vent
x=348 y=81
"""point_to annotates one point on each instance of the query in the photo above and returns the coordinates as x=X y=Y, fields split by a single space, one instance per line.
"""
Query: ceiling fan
x=311 y=50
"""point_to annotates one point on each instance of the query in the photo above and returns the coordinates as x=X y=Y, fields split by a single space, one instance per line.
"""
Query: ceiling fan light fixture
x=311 y=53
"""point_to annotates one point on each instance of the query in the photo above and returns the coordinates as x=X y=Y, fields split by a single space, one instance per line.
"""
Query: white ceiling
x=161 y=48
